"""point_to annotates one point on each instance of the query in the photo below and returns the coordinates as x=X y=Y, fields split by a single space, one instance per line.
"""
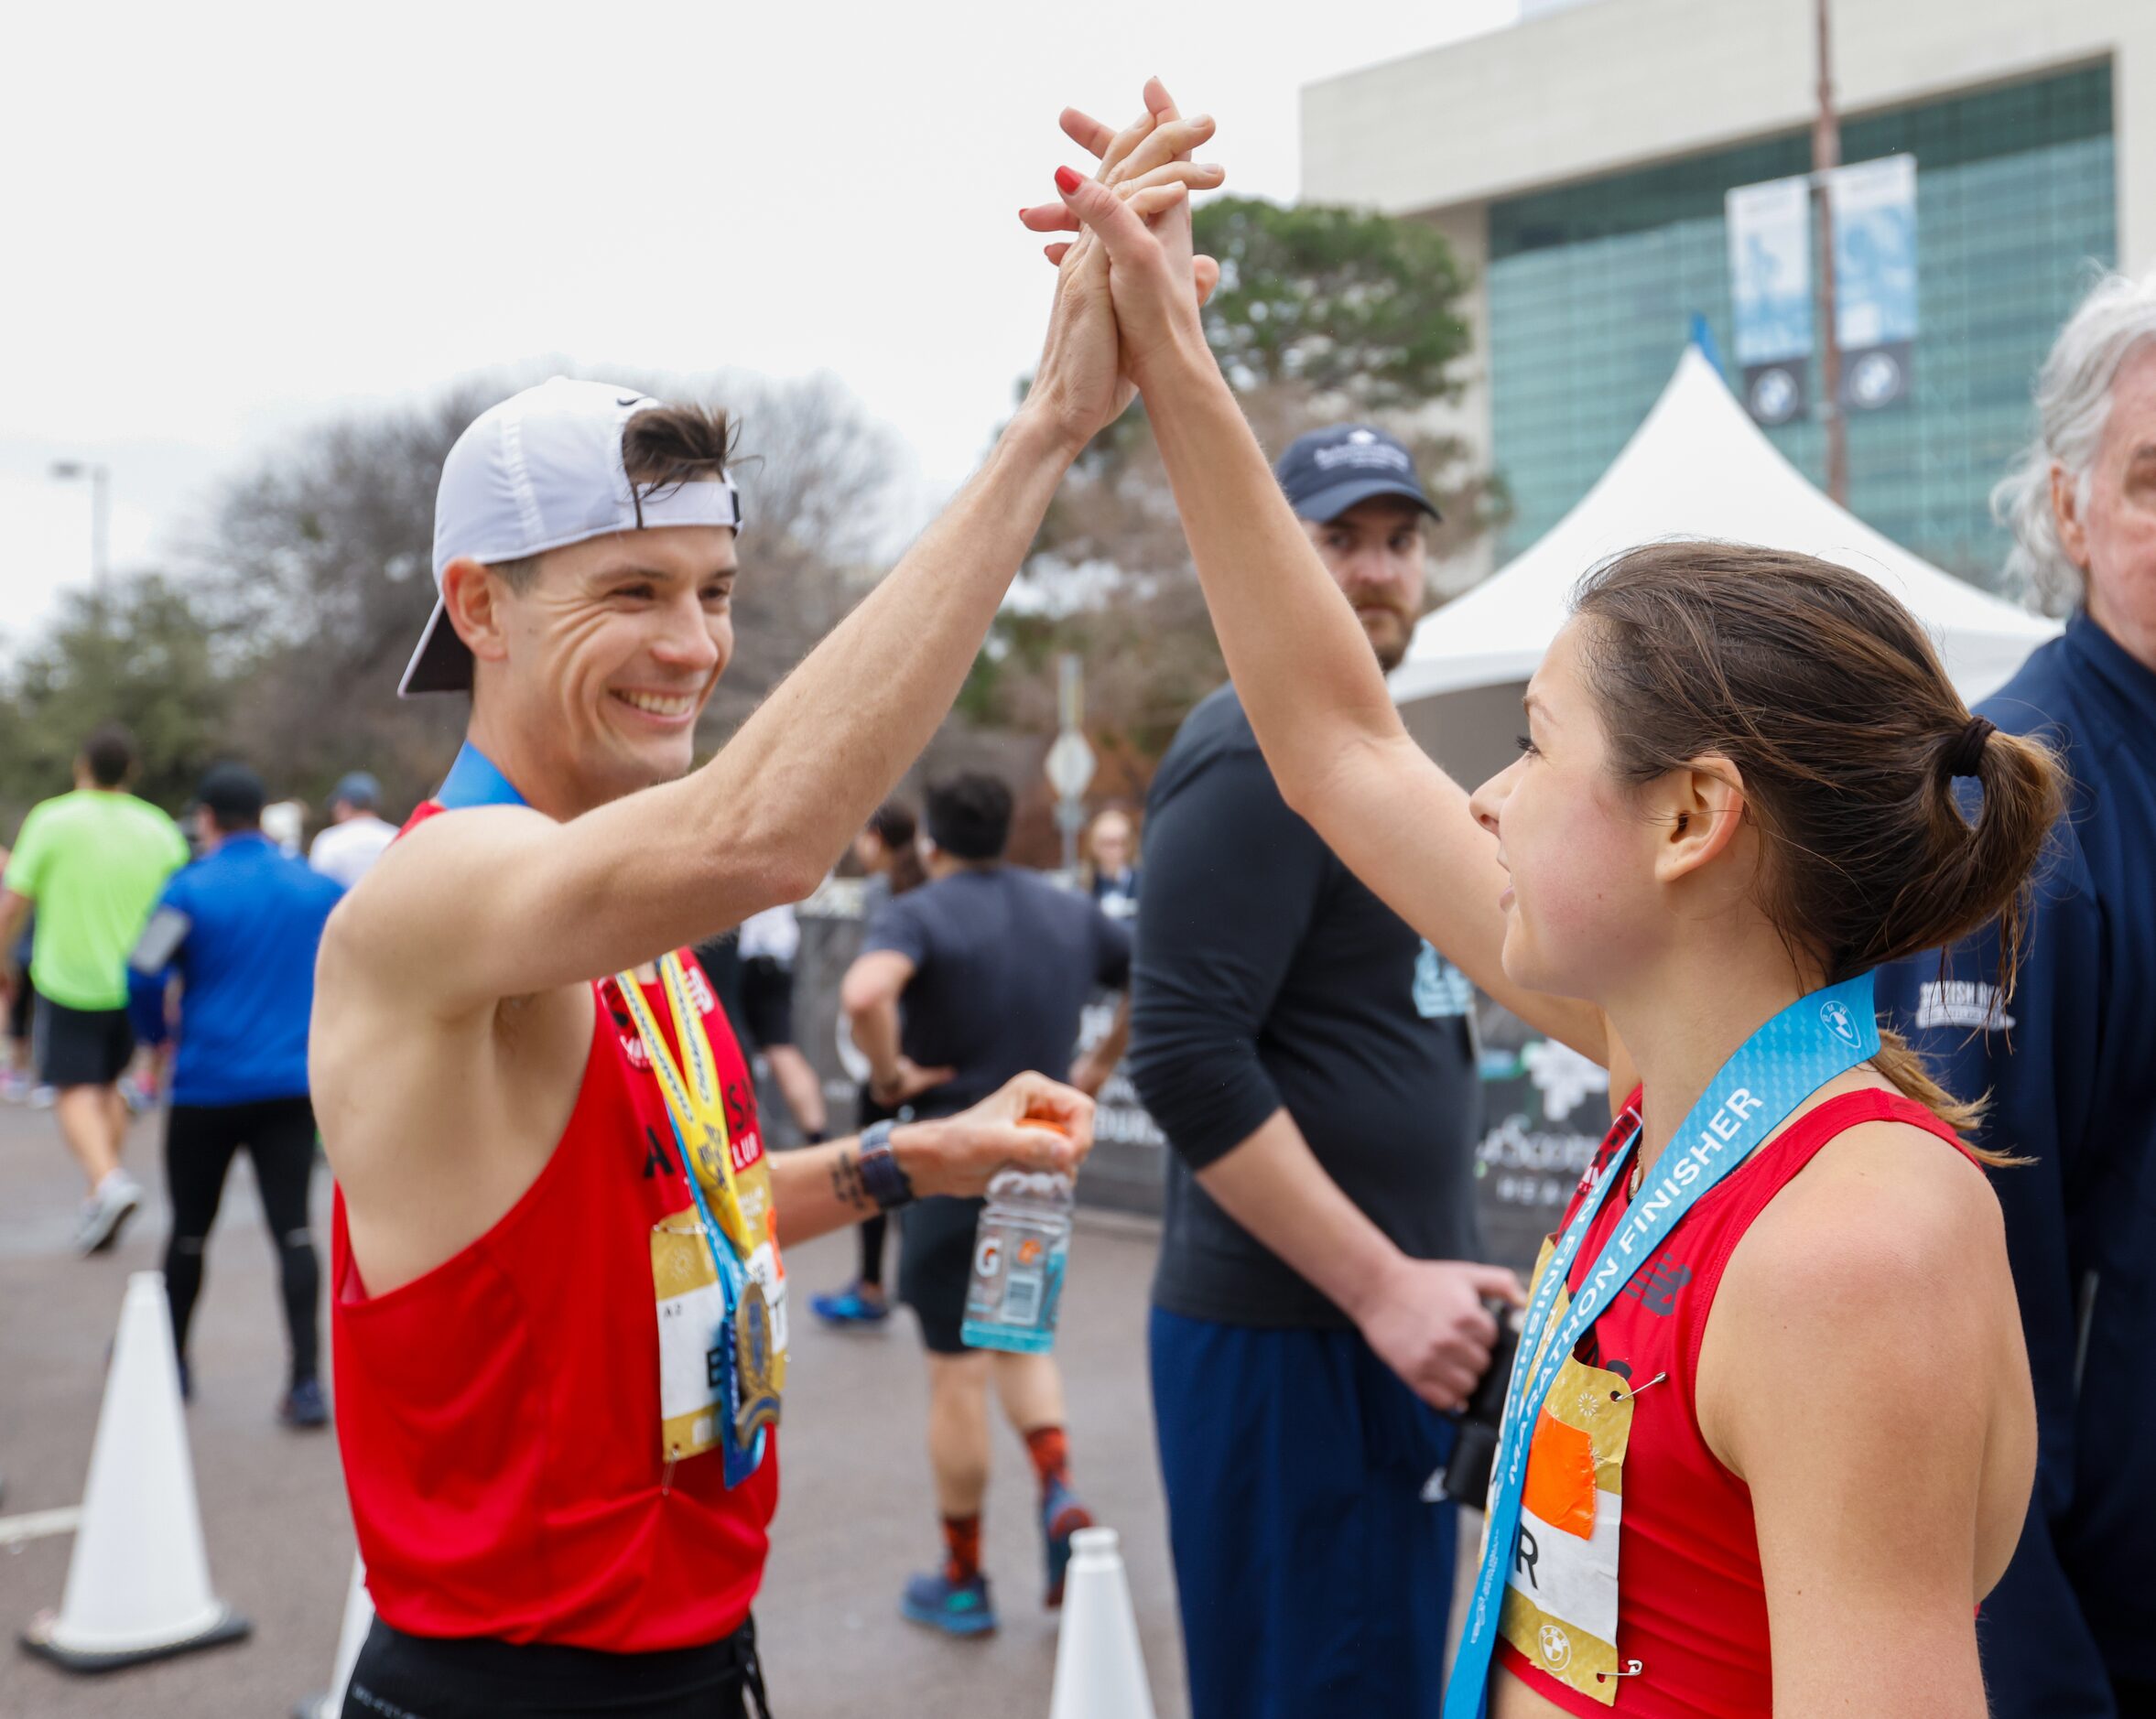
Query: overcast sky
x=224 y=221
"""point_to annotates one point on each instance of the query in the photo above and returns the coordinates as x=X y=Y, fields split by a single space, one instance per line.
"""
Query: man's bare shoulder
x=420 y=889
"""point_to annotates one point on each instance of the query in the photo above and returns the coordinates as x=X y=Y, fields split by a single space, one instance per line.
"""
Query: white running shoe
x=41 y=1097
x=106 y=1211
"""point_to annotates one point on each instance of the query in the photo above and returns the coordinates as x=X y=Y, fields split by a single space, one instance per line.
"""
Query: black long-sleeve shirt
x=1267 y=975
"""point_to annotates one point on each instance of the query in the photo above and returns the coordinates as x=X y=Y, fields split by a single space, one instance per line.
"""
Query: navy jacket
x=2070 y=1063
x=246 y=970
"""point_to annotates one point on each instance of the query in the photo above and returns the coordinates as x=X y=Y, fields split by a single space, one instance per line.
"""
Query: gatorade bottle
x=1018 y=1250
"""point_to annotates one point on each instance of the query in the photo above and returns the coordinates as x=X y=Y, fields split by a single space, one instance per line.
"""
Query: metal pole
x=1826 y=156
x=1071 y=701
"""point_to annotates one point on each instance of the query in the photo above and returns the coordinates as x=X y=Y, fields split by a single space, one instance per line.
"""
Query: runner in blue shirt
x=2070 y=1057
x=239 y=928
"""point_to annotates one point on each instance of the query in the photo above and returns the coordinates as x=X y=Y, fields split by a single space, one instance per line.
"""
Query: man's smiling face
x=609 y=650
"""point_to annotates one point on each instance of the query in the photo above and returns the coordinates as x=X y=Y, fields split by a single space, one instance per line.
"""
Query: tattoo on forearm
x=846 y=1181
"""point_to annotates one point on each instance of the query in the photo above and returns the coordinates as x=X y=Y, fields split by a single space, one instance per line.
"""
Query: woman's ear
x=1698 y=811
x=473 y=597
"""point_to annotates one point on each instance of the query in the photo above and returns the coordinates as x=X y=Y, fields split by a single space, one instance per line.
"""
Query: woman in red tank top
x=1779 y=1470
x=1789 y=1455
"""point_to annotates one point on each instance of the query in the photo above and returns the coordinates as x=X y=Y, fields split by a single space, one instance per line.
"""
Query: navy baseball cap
x=357 y=789
x=1330 y=471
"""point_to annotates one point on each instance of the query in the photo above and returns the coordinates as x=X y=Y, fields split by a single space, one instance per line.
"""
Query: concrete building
x=1579 y=161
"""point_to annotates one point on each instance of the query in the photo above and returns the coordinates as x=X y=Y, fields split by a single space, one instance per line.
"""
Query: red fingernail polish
x=1067 y=182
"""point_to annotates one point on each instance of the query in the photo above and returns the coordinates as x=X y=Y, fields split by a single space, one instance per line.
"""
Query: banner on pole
x=1771 y=290
x=1874 y=207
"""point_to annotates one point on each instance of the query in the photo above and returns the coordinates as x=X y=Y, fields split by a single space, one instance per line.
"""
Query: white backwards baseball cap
x=541 y=470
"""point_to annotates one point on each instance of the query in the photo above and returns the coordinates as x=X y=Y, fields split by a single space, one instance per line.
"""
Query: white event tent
x=1697 y=467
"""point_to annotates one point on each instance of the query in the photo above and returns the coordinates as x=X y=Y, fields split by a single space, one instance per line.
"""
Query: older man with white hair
x=2069 y=1054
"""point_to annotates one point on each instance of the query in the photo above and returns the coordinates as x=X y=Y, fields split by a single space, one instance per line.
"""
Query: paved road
x=856 y=1518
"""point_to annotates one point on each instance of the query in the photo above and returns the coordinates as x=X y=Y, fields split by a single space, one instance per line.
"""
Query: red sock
x=1051 y=1454
x=961 y=1544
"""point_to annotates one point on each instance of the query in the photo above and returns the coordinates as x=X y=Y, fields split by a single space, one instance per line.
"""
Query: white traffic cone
x=1100 y=1670
x=138 y=1585
x=358 y=1617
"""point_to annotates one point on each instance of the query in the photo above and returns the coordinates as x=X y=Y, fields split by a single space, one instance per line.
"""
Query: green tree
x=142 y=653
x=1323 y=315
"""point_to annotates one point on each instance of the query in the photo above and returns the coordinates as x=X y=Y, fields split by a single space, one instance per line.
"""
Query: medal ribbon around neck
x=1812 y=1041
x=697 y=1107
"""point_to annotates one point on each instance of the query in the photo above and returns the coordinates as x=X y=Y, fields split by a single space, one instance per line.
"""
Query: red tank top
x=499 y=1416
x=1638 y=1544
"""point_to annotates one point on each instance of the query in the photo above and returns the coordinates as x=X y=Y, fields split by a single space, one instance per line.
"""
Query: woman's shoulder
x=1885 y=1205
x=1873 y=1275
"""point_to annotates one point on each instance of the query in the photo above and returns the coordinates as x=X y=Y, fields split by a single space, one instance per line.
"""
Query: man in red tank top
x=559 y=1309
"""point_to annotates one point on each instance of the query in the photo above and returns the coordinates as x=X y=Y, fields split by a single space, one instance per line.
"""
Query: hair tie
x=1968 y=747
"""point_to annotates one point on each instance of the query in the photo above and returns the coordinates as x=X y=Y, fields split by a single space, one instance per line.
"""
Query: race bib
x=1560 y=1601
x=694 y=1361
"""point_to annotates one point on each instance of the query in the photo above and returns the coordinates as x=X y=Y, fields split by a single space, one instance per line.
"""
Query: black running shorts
x=934 y=1264
x=79 y=1047
x=398 y=1676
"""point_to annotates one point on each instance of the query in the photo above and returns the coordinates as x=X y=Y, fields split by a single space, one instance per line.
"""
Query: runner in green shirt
x=91 y=862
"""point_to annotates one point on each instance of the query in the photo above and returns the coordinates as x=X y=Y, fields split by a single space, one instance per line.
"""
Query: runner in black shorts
x=994 y=965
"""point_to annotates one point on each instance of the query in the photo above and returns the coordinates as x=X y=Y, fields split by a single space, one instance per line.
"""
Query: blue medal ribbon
x=475 y=780
x=1815 y=1039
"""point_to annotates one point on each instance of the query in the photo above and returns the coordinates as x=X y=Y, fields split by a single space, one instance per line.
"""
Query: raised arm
x=1313 y=691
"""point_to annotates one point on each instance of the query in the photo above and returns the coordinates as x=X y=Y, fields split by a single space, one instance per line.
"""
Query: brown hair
x=1826 y=696
x=111 y=753
x=894 y=825
x=662 y=449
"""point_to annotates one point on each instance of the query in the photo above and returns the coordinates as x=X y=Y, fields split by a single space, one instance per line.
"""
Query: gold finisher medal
x=757 y=1360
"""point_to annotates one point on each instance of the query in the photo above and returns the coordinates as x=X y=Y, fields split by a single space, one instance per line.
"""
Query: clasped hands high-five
x=1130 y=287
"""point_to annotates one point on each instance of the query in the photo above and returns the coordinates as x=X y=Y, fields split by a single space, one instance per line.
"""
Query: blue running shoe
x=849 y=1307
x=303 y=1407
x=958 y=1608
x=1061 y=1517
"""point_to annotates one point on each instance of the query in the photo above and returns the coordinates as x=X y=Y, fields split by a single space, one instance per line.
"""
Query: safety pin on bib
x=1619 y=1396
x=1632 y=1668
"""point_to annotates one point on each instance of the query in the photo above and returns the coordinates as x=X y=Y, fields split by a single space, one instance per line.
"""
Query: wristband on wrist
x=879 y=1171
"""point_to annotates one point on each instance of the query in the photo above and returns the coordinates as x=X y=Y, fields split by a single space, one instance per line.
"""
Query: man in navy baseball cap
x=1304 y=1050
x=1355 y=491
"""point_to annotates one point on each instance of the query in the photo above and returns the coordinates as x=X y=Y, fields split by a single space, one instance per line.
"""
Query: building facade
x=1579 y=163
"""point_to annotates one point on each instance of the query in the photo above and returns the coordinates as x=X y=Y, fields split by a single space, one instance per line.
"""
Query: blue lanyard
x=475 y=780
x=1809 y=1044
